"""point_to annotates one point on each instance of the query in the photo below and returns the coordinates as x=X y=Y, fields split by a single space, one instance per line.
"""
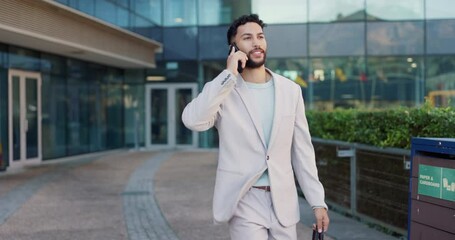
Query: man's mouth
x=257 y=53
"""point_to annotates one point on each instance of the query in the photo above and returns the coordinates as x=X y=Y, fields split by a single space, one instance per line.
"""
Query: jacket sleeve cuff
x=315 y=207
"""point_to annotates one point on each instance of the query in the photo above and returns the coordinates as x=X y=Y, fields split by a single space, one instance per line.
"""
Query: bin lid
x=435 y=142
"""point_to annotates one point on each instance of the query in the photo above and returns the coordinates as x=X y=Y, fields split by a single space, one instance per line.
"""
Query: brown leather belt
x=265 y=188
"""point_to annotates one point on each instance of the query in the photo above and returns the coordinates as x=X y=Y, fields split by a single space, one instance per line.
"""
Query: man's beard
x=251 y=64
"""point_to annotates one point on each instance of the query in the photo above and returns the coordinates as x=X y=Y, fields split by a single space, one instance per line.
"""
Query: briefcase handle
x=317 y=235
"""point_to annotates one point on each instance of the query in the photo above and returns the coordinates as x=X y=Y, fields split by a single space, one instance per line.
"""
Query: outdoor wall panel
x=55 y=28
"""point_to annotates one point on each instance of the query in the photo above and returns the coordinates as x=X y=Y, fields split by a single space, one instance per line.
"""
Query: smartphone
x=239 y=64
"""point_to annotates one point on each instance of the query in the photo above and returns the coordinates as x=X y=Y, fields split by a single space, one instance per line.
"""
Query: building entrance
x=24 y=117
x=164 y=107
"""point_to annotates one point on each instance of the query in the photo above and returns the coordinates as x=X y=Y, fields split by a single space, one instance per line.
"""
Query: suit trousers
x=255 y=219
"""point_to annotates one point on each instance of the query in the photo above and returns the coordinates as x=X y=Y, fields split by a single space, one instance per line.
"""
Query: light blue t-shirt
x=264 y=100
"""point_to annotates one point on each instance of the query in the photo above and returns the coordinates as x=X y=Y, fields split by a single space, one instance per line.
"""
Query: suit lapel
x=242 y=90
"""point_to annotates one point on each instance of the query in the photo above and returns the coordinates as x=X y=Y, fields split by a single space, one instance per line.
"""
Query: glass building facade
x=82 y=103
x=350 y=53
x=347 y=53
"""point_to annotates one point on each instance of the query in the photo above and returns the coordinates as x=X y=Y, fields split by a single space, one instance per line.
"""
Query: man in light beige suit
x=264 y=141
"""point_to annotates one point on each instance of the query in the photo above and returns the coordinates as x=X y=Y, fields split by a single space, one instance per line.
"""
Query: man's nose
x=256 y=43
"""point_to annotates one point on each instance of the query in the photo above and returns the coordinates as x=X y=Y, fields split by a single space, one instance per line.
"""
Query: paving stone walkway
x=127 y=195
x=143 y=216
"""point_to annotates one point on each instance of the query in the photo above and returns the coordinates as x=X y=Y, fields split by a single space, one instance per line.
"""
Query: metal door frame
x=171 y=118
x=23 y=136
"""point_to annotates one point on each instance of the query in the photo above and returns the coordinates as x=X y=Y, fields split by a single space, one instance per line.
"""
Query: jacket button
x=268 y=157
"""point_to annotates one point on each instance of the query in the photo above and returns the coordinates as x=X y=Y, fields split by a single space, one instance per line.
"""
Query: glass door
x=24 y=117
x=164 y=107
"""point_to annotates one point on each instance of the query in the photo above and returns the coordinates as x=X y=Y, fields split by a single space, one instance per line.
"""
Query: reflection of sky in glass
x=283 y=11
x=209 y=12
x=396 y=10
x=329 y=10
x=436 y=9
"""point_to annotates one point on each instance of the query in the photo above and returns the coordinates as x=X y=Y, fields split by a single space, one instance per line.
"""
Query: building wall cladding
x=80 y=35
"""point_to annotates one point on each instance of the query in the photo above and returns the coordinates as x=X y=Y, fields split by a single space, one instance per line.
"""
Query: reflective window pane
x=134 y=115
x=440 y=36
x=114 y=127
x=180 y=43
x=158 y=116
x=123 y=17
x=440 y=80
x=394 y=38
x=123 y=2
x=179 y=13
x=439 y=9
x=338 y=82
x=3 y=55
x=113 y=107
x=4 y=127
x=395 y=10
x=31 y=116
x=395 y=81
x=77 y=134
x=213 y=43
x=16 y=118
x=284 y=11
x=146 y=28
x=87 y=7
x=180 y=71
x=293 y=45
x=148 y=9
x=53 y=64
x=214 y=12
x=106 y=10
x=22 y=58
x=337 y=39
x=217 y=12
x=183 y=134
x=53 y=121
x=295 y=69
x=330 y=11
x=97 y=118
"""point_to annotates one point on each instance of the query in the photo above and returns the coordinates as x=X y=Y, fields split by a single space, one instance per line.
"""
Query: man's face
x=250 y=39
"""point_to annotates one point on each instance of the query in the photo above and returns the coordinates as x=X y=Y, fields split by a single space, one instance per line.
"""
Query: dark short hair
x=232 y=31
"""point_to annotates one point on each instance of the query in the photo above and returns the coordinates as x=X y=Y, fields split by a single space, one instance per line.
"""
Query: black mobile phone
x=239 y=64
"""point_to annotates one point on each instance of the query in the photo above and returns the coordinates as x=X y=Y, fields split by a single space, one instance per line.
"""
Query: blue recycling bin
x=432 y=189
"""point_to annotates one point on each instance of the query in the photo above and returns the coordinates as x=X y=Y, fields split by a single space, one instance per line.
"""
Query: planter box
x=367 y=182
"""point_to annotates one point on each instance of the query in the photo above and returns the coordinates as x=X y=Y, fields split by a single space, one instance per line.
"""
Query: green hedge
x=383 y=128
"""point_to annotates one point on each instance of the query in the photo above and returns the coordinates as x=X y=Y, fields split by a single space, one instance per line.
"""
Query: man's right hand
x=234 y=58
x=322 y=219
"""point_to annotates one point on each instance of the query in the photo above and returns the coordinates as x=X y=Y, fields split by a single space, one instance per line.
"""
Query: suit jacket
x=225 y=102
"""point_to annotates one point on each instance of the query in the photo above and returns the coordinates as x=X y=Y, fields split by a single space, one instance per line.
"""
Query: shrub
x=383 y=128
